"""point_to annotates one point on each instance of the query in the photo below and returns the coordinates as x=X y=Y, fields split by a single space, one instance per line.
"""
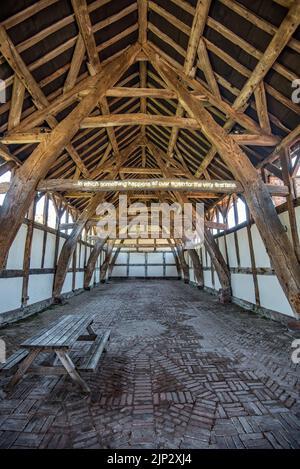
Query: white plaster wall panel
x=217 y=281
x=79 y=280
x=88 y=251
x=137 y=271
x=155 y=258
x=155 y=271
x=10 y=294
x=61 y=243
x=272 y=296
x=243 y=287
x=67 y=286
x=16 y=252
x=122 y=258
x=171 y=271
x=93 y=279
x=78 y=256
x=119 y=271
x=40 y=287
x=50 y=251
x=82 y=256
x=221 y=243
x=207 y=278
x=192 y=276
x=261 y=256
x=169 y=258
x=203 y=256
x=97 y=275
x=244 y=249
x=284 y=218
x=137 y=258
x=231 y=250
x=36 y=249
x=207 y=259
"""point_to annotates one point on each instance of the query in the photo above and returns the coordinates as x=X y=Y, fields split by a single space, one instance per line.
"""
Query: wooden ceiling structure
x=133 y=90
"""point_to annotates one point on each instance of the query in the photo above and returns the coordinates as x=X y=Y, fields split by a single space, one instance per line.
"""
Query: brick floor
x=181 y=371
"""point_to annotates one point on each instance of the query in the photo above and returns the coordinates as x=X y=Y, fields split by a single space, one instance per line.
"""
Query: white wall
x=145 y=265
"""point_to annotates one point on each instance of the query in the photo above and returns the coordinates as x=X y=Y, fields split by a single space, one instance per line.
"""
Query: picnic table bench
x=60 y=338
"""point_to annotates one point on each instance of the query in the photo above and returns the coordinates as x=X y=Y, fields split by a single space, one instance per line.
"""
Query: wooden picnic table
x=60 y=338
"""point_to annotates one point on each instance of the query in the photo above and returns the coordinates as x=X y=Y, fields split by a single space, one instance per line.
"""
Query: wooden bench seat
x=91 y=361
x=14 y=360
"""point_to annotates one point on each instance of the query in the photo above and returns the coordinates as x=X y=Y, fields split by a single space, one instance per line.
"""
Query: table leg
x=71 y=369
x=90 y=336
x=21 y=371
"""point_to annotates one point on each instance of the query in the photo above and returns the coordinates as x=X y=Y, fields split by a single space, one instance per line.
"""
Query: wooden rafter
x=84 y=23
x=26 y=78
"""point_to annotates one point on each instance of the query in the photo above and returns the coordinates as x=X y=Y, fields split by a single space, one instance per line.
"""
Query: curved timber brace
x=91 y=263
x=184 y=266
x=220 y=266
x=104 y=267
x=198 y=269
x=114 y=259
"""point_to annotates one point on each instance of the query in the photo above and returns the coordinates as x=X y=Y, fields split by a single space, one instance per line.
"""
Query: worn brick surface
x=181 y=371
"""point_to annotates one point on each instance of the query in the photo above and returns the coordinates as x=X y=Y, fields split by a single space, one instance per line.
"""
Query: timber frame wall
x=198 y=88
x=253 y=280
x=16 y=302
x=148 y=265
x=254 y=283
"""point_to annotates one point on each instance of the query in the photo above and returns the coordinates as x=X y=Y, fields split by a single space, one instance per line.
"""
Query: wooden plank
x=14 y=360
x=16 y=103
x=91 y=264
x=199 y=21
x=286 y=142
x=86 y=31
x=7 y=156
x=49 y=333
x=94 y=354
x=275 y=47
x=84 y=23
x=77 y=59
x=25 y=364
x=142 y=19
x=207 y=69
x=71 y=369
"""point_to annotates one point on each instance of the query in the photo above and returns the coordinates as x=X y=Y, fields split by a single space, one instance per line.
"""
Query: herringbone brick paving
x=181 y=371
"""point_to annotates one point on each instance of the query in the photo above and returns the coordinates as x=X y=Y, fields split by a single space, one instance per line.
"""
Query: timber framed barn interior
x=140 y=342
